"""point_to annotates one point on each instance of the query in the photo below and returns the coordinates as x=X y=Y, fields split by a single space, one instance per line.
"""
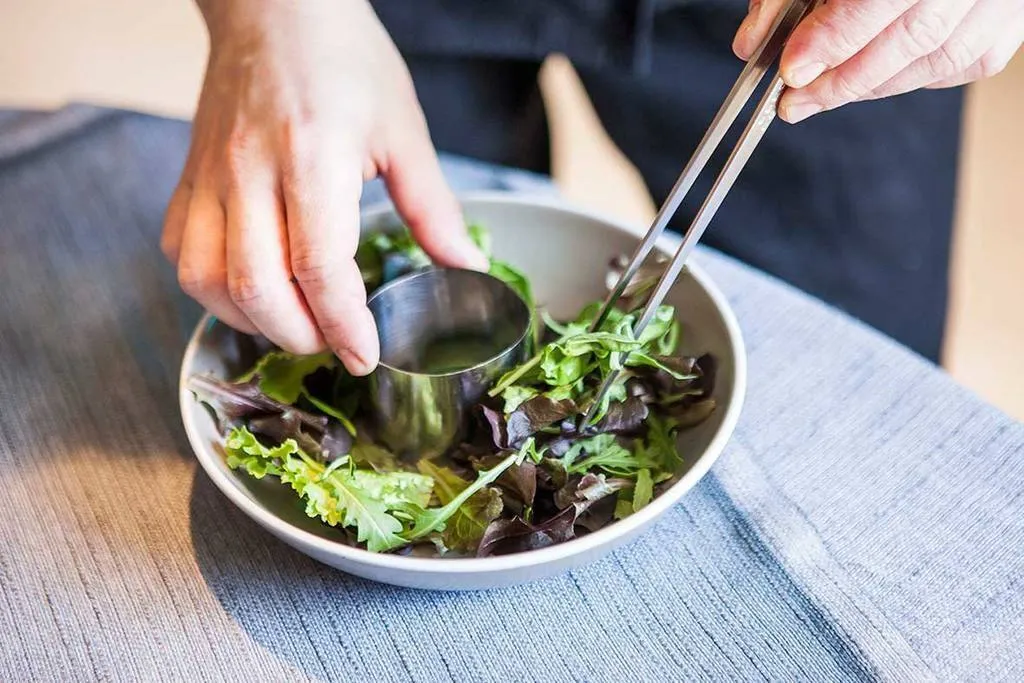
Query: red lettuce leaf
x=318 y=435
x=519 y=481
x=507 y=536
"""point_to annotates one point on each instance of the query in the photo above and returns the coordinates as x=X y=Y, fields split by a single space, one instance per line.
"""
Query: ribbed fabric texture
x=865 y=522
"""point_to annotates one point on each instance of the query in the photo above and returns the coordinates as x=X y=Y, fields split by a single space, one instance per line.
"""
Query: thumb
x=426 y=203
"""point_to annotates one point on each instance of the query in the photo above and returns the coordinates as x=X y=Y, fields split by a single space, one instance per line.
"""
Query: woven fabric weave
x=865 y=522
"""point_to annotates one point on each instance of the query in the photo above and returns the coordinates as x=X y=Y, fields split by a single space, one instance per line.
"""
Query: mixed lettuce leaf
x=529 y=472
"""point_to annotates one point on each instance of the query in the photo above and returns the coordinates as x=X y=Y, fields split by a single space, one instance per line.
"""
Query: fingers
x=174 y=221
x=755 y=26
x=967 y=56
x=426 y=203
x=991 y=63
x=202 y=260
x=918 y=32
x=258 y=270
x=833 y=33
x=322 y=206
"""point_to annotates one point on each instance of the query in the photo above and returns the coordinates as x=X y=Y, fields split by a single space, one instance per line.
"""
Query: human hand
x=851 y=50
x=302 y=103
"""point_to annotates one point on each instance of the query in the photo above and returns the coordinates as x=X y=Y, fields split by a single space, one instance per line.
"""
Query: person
x=303 y=102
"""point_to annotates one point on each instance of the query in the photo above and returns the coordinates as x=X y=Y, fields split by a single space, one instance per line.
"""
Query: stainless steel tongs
x=762 y=60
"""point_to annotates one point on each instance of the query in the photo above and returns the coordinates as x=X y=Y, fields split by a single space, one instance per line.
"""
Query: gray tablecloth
x=865 y=522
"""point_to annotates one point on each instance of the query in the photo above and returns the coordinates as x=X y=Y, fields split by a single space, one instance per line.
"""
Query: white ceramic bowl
x=565 y=252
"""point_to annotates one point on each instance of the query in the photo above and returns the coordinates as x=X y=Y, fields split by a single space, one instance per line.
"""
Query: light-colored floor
x=150 y=56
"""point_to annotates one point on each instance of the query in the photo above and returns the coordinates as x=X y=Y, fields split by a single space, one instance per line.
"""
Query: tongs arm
x=758 y=65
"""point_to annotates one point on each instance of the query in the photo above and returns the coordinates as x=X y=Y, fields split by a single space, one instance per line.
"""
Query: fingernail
x=803 y=74
x=474 y=258
x=797 y=111
x=354 y=363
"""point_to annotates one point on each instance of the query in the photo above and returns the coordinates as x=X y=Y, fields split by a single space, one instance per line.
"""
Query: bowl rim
x=500 y=563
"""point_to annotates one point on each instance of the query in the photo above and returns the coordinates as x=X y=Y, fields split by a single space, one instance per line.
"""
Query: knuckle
x=843 y=88
x=923 y=32
x=248 y=292
x=309 y=266
x=197 y=282
x=952 y=59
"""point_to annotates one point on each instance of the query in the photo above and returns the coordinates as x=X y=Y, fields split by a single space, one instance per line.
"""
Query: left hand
x=851 y=50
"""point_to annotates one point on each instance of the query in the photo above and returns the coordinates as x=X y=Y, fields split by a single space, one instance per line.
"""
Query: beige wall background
x=150 y=56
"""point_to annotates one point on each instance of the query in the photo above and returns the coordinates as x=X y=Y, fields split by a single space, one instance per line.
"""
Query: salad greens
x=529 y=472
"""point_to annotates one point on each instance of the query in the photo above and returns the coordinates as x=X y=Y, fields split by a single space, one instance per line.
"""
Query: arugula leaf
x=467 y=525
x=330 y=410
x=529 y=450
x=280 y=374
x=660 y=443
x=605 y=452
x=433 y=519
x=579 y=352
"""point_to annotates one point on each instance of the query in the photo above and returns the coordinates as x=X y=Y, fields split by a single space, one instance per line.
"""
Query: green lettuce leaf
x=281 y=373
x=481 y=237
x=514 y=279
x=365 y=452
x=516 y=395
x=623 y=504
x=643 y=491
x=360 y=499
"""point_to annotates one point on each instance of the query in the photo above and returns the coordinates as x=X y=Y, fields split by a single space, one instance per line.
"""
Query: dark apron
x=854 y=206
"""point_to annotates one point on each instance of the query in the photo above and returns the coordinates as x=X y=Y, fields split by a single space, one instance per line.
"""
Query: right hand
x=301 y=104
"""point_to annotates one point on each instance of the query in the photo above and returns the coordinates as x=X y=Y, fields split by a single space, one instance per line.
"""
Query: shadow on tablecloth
x=697 y=595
